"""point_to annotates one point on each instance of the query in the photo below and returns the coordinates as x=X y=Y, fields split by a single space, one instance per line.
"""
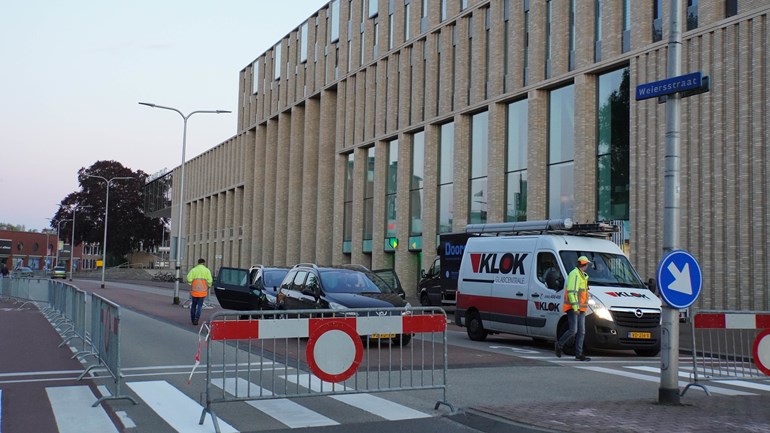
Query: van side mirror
x=652 y=286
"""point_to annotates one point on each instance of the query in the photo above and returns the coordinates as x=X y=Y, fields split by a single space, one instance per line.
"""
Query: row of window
x=369 y=9
x=612 y=164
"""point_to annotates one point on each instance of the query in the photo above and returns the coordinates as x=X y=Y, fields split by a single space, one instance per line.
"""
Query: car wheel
x=569 y=347
x=475 y=328
x=424 y=300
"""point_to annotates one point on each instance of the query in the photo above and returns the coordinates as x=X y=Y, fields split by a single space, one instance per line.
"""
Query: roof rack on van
x=555 y=226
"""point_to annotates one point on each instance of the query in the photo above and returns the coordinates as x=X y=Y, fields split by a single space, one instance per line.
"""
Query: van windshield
x=605 y=269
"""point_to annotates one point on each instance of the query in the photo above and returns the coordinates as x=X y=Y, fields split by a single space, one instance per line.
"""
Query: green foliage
x=127 y=225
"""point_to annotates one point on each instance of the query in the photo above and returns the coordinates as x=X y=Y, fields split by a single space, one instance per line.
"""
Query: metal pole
x=104 y=246
x=668 y=393
x=72 y=243
x=179 y=254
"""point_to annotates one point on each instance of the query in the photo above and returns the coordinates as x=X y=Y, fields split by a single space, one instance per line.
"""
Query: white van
x=514 y=283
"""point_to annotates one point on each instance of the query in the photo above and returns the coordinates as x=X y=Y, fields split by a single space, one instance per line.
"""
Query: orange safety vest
x=199 y=278
x=576 y=292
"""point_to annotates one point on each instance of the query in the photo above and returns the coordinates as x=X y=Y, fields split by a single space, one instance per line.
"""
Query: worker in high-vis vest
x=200 y=280
x=575 y=305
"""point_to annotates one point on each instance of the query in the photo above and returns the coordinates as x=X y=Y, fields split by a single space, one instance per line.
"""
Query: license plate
x=641 y=335
x=382 y=336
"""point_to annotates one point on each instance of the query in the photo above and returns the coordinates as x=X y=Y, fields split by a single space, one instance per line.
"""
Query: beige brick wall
x=279 y=182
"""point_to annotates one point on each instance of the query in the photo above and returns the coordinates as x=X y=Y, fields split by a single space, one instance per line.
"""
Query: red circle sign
x=334 y=350
x=762 y=351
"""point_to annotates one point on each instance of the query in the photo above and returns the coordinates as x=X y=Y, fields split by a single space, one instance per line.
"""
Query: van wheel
x=475 y=328
x=569 y=348
x=424 y=300
x=654 y=351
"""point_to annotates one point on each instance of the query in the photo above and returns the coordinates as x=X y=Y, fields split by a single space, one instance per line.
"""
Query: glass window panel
x=373 y=8
x=516 y=190
x=561 y=191
x=277 y=61
x=415 y=206
x=561 y=125
x=349 y=178
x=334 y=8
x=445 y=206
x=303 y=42
x=348 y=221
x=255 y=78
x=518 y=135
x=418 y=160
x=479 y=195
x=392 y=166
x=368 y=218
x=390 y=215
x=480 y=145
x=613 y=146
x=447 y=153
x=369 y=186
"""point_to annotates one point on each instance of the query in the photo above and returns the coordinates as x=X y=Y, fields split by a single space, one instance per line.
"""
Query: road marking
x=72 y=409
x=648 y=378
x=282 y=410
x=752 y=385
x=367 y=402
x=176 y=408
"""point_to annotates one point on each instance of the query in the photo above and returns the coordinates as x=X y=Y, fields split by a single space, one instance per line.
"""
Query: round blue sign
x=679 y=279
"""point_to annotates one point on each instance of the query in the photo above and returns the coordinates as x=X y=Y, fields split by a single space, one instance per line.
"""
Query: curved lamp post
x=179 y=254
x=106 y=210
x=72 y=241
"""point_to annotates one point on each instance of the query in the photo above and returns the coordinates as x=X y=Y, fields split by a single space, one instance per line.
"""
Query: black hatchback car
x=308 y=286
x=248 y=289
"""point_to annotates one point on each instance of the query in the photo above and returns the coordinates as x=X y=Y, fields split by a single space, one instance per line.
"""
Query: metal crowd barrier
x=24 y=290
x=256 y=355
x=66 y=310
x=105 y=341
x=723 y=346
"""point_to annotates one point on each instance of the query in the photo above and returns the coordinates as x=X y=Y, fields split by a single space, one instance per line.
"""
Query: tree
x=127 y=227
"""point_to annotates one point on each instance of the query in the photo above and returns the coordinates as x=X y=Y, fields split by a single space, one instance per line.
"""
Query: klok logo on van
x=498 y=263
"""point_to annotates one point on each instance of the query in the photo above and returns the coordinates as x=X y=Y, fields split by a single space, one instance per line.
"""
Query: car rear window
x=345 y=281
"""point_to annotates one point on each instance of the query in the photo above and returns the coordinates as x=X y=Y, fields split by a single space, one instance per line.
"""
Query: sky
x=72 y=74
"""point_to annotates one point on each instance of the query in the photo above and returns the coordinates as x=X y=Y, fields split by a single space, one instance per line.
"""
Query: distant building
x=406 y=119
x=38 y=251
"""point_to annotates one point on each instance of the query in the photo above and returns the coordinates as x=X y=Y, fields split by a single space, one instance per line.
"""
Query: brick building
x=404 y=119
x=38 y=251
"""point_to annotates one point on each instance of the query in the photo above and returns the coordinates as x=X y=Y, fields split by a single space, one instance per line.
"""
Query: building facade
x=398 y=120
x=38 y=251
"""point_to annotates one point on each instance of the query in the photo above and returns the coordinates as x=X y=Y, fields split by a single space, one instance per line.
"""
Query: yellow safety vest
x=200 y=279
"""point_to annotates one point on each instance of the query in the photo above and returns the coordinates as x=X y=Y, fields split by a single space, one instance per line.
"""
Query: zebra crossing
x=73 y=411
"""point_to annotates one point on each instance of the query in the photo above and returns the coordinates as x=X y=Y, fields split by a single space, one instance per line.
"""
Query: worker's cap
x=201 y=261
x=583 y=260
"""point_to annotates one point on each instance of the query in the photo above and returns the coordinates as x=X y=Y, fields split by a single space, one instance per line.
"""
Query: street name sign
x=683 y=83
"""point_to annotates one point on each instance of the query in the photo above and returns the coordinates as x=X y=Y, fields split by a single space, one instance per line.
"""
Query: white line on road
x=648 y=378
x=176 y=408
x=72 y=409
x=282 y=410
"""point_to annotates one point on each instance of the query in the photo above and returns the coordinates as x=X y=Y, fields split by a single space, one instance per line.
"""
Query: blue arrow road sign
x=679 y=279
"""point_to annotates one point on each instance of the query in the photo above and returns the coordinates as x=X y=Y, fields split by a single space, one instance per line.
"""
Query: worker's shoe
x=557 y=349
x=195 y=323
x=582 y=358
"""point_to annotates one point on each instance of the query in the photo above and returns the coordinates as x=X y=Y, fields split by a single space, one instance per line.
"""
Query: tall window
x=407 y=14
x=506 y=41
x=561 y=148
x=526 y=40
x=612 y=150
x=334 y=11
x=516 y=163
x=446 y=177
x=598 y=30
x=626 y=37
x=369 y=200
x=548 y=39
x=374 y=6
x=391 y=25
x=390 y=192
x=443 y=10
x=255 y=78
x=479 y=165
x=424 y=17
x=303 y=42
x=277 y=61
x=347 y=229
x=731 y=8
x=572 y=34
x=657 y=20
x=692 y=14
x=417 y=183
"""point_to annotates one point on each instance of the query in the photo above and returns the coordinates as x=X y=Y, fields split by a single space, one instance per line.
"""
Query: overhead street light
x=72 y=240
x=179 y=254
x=106 y=213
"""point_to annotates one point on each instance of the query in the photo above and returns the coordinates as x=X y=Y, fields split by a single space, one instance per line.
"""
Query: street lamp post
x=179 y=254
x=58 y=238
x=72 y=241
x=106 y=213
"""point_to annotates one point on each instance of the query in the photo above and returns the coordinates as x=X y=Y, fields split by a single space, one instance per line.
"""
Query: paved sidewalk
x=697 y=414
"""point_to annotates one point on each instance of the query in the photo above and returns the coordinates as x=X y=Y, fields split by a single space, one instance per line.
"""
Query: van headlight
x=599 y=309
